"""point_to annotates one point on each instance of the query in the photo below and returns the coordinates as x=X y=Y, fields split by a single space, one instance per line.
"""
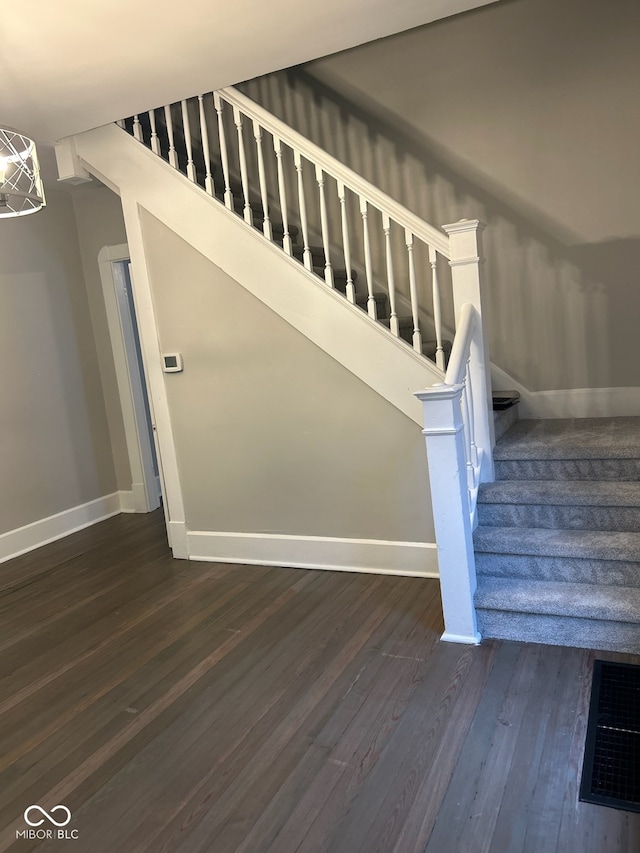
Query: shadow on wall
x=615 y=266
x=559 y=316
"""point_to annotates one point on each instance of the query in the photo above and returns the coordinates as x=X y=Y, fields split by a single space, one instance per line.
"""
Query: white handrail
x=400 y=214
x=457 y=412
x=376 y=208
x=465 y=328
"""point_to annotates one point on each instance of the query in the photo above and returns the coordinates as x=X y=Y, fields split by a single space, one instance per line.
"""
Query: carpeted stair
x=558 y=537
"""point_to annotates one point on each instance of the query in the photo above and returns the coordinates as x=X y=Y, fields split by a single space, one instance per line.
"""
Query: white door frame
x=172 y=499
x=145 y=483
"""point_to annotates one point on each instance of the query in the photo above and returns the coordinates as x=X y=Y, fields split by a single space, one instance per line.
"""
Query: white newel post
x=444 y=435
x=467 y=263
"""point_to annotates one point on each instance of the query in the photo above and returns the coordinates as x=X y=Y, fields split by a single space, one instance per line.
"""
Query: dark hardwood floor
x=203 y=708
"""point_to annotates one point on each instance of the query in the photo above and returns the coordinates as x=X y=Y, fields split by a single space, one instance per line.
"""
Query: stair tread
x=317 y=253
x=561 y=492
x=571 y=438
x=551 y=542
x=338 y=272
x=559 y=598
x=404 y=322
x=405 y=325
x=380 y=298
x=565 y=569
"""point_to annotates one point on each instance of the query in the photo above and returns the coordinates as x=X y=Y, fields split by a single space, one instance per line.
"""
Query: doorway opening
x=146 y=470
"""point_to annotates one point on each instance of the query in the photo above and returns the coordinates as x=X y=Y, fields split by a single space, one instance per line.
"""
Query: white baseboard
x=135 y=500
x=127 y=501
x=467 y=639
x=570 y=402
x=415 y=559
x=177 y=536
x=31 y=536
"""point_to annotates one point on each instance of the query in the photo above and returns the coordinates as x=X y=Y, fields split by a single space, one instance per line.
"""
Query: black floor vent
x=611 y=771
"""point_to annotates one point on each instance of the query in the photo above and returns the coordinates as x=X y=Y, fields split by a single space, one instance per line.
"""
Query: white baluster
x=244 y=178
x=266 y=222
x=228 y=195
x=437 y=314
x=306 y=253
x=393 y=322
x=324 y=224
x=467 y=436
x=286 y=239
x=204 y=133
x=155 y=142
x=350 y=291
x=472 y=421
x=173 y=157
x=137 y=128
x=368 y=266
x=120 y=123
x=191 y=170
x=413 y=289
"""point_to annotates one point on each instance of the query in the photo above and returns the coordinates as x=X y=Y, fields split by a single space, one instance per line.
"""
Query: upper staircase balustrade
x=345 y=227
x=414 y=279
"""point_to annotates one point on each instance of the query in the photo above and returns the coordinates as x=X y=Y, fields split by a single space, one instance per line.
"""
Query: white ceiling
x=70 y=65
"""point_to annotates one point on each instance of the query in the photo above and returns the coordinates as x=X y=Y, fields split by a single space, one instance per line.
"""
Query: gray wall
x=524 y=114
x=272 y=435
x=56 y=451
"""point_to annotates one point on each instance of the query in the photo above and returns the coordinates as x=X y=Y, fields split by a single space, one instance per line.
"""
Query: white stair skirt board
x=375 y=556
x=323 y=315
x=570 y=402
x=31 y=536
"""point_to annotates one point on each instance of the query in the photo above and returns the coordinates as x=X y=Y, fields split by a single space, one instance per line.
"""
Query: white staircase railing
x=296 y=195
x=357 y=227
x=458 y=429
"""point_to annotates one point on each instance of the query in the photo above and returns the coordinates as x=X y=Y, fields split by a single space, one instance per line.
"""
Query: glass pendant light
x=21 y=189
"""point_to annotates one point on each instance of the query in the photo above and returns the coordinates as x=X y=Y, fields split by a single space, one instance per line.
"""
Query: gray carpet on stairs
x=558 y=541
x=572 y=438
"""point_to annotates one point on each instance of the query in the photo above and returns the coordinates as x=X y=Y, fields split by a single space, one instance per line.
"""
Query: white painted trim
x=127 y=501
x=467 y=639
x=374 y=556
x=329 y=164
x=342 y=330
x=446 y=455
x=45 y=530
x=173 y=504
x=135 y=500
x=570 y=402
x=177 y=536
x=128 y=378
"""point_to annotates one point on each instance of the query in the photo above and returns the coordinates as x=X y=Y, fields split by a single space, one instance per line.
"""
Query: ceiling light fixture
x=21 y=189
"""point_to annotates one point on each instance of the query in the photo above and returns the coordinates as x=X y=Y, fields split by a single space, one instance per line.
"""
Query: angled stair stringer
x=323 y=315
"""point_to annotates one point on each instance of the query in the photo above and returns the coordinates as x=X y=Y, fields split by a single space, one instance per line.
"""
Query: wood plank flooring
x=202 y=708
